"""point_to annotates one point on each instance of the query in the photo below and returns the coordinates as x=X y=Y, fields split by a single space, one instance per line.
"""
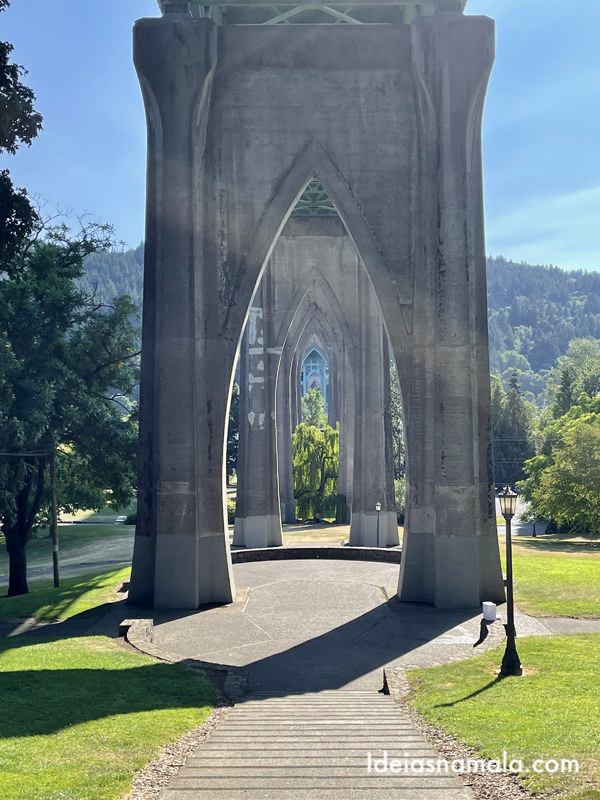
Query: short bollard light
x=511 y=663
x=489 y=611
x=378 y=510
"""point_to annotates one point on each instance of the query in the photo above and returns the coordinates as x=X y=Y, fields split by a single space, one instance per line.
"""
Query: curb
x=390 y=555
x=140 y=634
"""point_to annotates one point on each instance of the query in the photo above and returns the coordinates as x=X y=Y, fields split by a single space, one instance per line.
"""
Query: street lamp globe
x=378 y=506
x=508 y=502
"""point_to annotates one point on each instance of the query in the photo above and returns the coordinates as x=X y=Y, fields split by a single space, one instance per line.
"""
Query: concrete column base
x=288 y=513
x=433 y=571
x=192 y=571
x=261 y=531
x=363 y=529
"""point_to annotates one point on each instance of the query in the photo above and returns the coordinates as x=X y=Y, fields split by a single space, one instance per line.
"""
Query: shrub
x=230 y=510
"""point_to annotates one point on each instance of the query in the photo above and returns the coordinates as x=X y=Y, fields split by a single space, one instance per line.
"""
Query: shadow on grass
x=48 y=604
x=477 y=692
x=42 y=702
x=561 y=543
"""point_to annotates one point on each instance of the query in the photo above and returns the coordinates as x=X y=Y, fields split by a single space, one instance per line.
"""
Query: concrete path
x=312 y=747
x=113 y=552
x=315 y=636
x=564 y=625
x=309 y=626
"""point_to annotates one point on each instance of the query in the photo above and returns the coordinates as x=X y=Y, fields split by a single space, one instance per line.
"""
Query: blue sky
x=541 y=126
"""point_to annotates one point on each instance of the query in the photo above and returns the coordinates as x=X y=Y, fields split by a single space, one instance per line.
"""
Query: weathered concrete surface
x=563 y=625
x=315 y=293
x=343 y=728
x=258 y=519
x=308 y=747
x=388 y=117
x=320 y=625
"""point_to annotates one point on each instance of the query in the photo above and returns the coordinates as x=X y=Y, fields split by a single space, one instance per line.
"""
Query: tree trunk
x=17 y=535
x=17 y=554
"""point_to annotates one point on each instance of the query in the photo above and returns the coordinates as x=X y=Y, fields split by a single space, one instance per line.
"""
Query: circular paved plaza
x=314 y=625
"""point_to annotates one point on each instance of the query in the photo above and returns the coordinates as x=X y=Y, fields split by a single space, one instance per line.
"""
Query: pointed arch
x=314 y=162
x=314 y=277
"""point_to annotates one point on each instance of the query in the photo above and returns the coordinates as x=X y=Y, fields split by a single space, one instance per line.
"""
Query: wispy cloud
x=562 y=229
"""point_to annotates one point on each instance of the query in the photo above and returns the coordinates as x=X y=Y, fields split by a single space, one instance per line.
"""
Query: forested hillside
x=534 y=312
x=114 y=273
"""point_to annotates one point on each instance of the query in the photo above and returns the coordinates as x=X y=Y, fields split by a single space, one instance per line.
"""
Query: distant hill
x=110 y=274
x=534 y=311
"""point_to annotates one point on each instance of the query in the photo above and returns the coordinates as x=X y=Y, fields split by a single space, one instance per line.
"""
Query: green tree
x=313 y=409
x=514 y=427
x=233 y=432
x=563 y=483
x=316 y=454
x=578 y=371
x=68 y=364
x=397 y=430
x=19 y=121
x=69 y=369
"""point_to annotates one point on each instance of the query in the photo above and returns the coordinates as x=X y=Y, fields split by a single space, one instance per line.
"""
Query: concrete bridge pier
x=373 y=476
x=258 y=517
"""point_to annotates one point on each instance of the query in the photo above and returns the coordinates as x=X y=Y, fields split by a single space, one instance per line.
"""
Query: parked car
x=120 y=520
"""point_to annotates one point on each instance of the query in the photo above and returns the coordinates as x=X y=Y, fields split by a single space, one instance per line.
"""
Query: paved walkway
x=311 y=747
x=315 y=636
x=309 y=626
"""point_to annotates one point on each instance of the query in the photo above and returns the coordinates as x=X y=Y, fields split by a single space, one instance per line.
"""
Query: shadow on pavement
x=359 y=647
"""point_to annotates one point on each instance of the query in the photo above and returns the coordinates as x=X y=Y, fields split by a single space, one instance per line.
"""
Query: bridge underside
x=386 y=117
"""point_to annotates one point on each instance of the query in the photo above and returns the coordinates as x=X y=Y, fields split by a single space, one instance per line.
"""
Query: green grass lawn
x=80 y=716
x=553 y=712
x=320 y=534
x=556 y=577
x=75 y=595
x=74 y=541
x=107 y=514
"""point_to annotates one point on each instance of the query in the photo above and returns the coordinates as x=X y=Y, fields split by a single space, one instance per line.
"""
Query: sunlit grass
x=80 y=716
x=556 y=582
x=552 y=712
x=75 y=595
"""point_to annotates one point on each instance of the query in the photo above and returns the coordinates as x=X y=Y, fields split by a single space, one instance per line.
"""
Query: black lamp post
x=511 y=663
x=378 y=509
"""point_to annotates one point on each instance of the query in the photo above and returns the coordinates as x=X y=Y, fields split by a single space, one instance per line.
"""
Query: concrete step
x=312 y=746
x=321 y=793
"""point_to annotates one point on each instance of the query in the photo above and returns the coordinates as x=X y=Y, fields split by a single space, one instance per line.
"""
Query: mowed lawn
x=75 y=595
x=80 y=716
x=552 y=712
x=77 y=543
x=556 y=576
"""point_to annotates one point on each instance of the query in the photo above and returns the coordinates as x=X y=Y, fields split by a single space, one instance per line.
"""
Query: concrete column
x=296 y=391
x=258 y=516
x=456 y=370
x=311 y=327
x=371 y=481
x=284 y=439
x=346 y=473
x=181 y=555
x=393 y=537
x=333 y=409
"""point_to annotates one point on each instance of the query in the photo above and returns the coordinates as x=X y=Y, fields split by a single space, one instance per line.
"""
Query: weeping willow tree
x=313 y=409
x=316 y=465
